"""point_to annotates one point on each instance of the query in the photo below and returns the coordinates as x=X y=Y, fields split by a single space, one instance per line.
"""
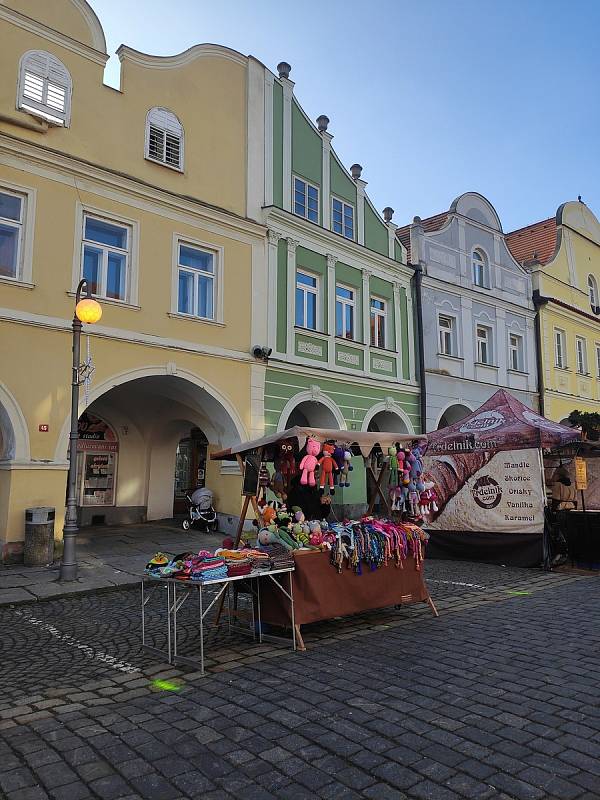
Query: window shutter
x=45 y=86
x=164 y=137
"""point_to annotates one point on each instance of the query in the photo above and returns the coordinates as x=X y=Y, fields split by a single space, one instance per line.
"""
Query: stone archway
x=14 y=434
x=151 y=414
x=454 y=412
x=313 y=410
x=387 y=417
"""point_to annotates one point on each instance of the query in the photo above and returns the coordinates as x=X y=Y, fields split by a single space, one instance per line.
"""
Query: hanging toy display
x=347 y=468
x=285 y=463
x=327 y=467
x=393 y=466
x=264 y=481
x=309 y=462
x=338 y=457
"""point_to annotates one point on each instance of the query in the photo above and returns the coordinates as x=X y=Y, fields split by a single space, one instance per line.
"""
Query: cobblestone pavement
x=496 y=699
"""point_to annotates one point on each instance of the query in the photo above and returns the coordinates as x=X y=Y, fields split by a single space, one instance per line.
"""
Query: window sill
x=111 y=302
x=16 y=282
x=190 y=318
x=350 y=342
x=384 y=350
x=162 y=164
x=449 y=355
x=310 y=332
x=517 y=371
x=490 y=366
x=562 y=369
x=584 y=374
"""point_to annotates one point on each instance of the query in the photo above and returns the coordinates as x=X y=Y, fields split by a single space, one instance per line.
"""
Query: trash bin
x=39 y=536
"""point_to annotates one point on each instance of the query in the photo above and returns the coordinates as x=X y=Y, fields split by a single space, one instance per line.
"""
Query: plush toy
x=328 y=466
x=393 y=464
x=316 y=536
x=413 y=499
x=424 y=503
x=400 y=456
x=264 y=481
x=418 y=454
x=309 y=462
x=286 y=462
x=338 y=457
x=266 y=536
x=268 y=515
x=347 y=468
x=278 y=485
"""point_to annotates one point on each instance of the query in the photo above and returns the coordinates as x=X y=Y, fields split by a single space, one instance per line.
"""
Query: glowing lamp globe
x=88 y=310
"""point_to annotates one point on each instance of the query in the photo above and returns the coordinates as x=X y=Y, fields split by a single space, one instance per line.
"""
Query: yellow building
x=563 y=255
x=143 y=191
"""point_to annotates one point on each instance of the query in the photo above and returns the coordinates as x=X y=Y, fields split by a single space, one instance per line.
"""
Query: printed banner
x=495 y=493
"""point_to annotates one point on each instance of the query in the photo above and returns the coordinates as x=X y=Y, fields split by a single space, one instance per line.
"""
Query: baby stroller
x=201 y=511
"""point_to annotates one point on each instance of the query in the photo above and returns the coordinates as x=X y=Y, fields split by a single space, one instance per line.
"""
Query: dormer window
x=593 y=291
x=164 y=138
x=45 y=87
x=480 y=269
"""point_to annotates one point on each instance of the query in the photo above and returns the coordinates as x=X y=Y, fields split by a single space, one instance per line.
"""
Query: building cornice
x=180 y=59
x=543 y=300
x=464 y=291
x=53 y=164
x=327 y=242
x=61 y=39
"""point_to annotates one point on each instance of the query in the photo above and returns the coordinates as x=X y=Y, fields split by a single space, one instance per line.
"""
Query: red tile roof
x=429 y=224
x=537 y=241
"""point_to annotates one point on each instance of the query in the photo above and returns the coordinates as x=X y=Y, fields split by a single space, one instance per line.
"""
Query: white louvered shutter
x=164 y=138
x=45 y=86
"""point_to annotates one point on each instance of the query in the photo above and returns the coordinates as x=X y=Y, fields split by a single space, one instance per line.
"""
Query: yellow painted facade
x=158 y=373
x=568 y=313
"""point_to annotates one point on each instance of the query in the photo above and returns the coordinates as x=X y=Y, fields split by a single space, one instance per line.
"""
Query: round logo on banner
x=486 y=492
x=486 y=421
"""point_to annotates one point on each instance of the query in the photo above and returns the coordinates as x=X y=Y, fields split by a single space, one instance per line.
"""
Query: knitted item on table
x=210 y=575
x=235 y=571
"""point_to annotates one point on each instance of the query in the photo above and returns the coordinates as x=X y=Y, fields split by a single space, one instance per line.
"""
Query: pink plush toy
x=309 y=462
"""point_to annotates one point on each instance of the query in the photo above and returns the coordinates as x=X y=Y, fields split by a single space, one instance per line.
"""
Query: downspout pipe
x=539 y=301
x=418 y=288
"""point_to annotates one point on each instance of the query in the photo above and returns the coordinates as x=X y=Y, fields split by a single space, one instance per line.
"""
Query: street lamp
x=86 y=310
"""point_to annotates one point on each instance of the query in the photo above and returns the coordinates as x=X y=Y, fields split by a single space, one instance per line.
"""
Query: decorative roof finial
x=579 y=198
x=388 y=213
x=356 y=171
x=284 y=69
x=322 y=123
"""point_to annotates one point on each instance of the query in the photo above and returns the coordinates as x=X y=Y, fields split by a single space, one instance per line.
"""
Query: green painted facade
x=342 y=185
x=405 y=332
x=278 y=145
x=281 y=308
x=306 y=152
x=353 y=399
x=376 y=235
x=385 y=290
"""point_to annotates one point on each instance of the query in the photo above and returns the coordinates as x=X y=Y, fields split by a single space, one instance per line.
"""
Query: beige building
x=144 y=192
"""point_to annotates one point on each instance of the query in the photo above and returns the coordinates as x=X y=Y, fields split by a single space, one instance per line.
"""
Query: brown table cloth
x=320 y=592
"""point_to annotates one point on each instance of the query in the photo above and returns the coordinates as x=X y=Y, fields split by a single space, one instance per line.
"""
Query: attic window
x=45 y=87
x=164 y=138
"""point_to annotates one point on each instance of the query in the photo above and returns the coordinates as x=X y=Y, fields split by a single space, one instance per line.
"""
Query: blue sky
x=433 y=98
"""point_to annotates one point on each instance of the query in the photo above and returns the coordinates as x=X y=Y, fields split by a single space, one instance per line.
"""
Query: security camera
x=262 y=353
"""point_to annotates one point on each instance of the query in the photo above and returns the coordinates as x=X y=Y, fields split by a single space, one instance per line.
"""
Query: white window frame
x=164 y=120
x=485 y=267
x=131 y=282
x=316 y=290
x=560 y=348
x=25 y=245
x=581 y=362
x=345 y=302
x=218 y=285
x=378 y=312
x=481 y=341
x=52 y=75
x=448 y=333
x=598 y=359
x=518 y=349
x=106 y=250
x=593 y=290
x=313 y=186
x=344 y=205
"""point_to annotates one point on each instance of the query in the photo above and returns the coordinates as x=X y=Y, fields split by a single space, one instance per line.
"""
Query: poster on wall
x=503 y=494
x=95 y=434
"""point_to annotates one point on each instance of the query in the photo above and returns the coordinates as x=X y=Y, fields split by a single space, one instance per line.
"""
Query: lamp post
x=86 y=310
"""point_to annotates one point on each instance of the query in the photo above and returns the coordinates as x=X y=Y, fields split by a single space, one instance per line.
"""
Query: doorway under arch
x=151 y=417
x=453 y=414
x=306 y=410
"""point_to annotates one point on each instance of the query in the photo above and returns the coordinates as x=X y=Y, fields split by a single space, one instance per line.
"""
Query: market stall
x=488 y=474
x=340 y=567
x=573 y=475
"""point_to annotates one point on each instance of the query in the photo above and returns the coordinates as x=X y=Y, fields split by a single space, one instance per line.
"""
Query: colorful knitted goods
x=376 y=543
x=235 y=570
x=217 y=573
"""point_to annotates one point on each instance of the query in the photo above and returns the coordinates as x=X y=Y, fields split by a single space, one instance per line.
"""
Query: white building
x=478 y=314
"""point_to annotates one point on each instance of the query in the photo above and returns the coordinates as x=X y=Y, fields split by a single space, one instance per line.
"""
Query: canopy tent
x=488 y=475
x=501 y=423
x=364 y=440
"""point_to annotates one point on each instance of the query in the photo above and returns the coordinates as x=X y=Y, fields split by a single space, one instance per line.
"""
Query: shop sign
x=95 y=434
x=581 y=483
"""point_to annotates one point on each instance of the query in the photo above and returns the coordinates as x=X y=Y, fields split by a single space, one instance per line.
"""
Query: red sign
x=43 y=428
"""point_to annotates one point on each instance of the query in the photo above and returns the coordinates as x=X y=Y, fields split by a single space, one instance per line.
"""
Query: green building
x=339 y=315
